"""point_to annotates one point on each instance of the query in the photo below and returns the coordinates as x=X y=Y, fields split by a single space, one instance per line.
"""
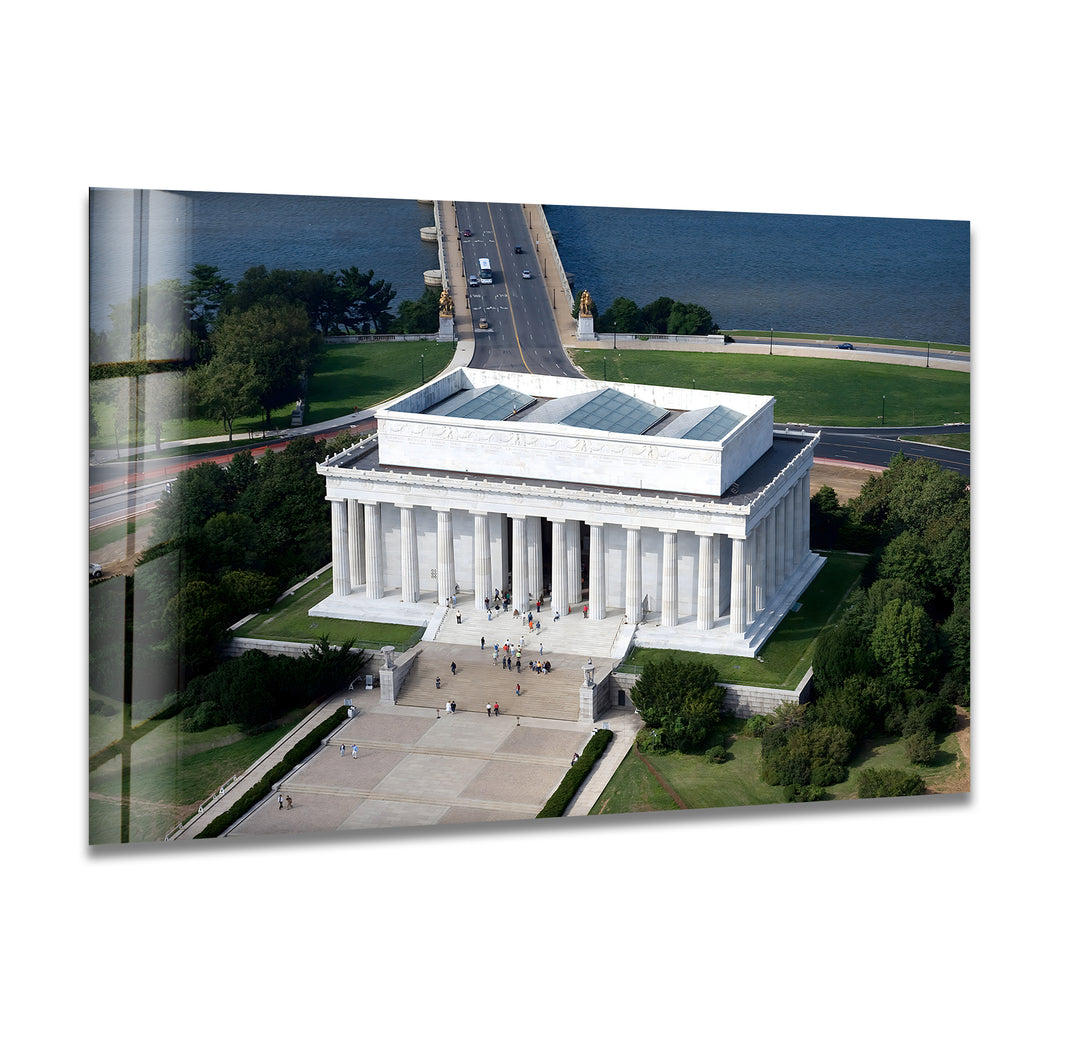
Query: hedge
x=571 y=783
x=297 y=755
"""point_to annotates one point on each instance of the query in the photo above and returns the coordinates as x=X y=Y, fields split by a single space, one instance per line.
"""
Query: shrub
x=651 y=740
x=715 y=754
x=558 y=802
x=890 y=782
x=756 y=726
x=828 y=775
x=921 y=746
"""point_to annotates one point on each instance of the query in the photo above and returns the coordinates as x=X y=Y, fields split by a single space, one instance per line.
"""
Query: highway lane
x=877 y=446
x=522 y=335
x=876 y=349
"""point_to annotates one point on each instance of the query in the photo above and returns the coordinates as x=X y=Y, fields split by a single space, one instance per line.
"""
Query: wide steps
x=478 y=681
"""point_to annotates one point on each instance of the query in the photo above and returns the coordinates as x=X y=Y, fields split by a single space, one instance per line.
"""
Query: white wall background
x=921 y=112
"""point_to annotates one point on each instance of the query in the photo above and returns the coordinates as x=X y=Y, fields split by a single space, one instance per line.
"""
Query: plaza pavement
x=417 y=765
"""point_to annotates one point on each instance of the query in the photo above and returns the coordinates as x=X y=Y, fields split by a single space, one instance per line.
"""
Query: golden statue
x=446 y=305
x=585 y=308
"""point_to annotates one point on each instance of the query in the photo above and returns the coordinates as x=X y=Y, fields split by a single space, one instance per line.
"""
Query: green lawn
x=171 y=773
x=288 y=621
x=788 y=653
x=807 y=390
x=737 y=783
x=346 y=377
x=349 y=377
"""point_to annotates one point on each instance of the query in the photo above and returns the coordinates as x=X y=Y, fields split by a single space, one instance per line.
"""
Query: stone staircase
x=478 y=681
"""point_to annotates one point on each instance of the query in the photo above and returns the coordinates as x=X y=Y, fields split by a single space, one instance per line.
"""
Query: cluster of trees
x=664 y=315
x=899 y=659
x=681 y=700
x=257 y=688
x=251 y=344
x=230 y=540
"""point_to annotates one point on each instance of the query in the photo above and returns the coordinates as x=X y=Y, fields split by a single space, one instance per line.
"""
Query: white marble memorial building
x=677 y=510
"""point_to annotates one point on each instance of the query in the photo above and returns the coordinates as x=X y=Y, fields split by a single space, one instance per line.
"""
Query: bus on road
x=485 y=270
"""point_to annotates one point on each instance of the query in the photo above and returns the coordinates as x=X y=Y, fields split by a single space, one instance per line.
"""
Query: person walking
x=453 y=669
x=496 y=709
x=280 y=802
x=343 y=749
x=481 y=644
x=453 y=706
x=489 y=709
x=288 y=802
x=518 y=690
x=355 y=751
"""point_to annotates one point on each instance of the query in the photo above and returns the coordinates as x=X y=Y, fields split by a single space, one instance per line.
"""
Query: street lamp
x=882 y=410
x=928 y=354
x=421 y=369
x=770 y=341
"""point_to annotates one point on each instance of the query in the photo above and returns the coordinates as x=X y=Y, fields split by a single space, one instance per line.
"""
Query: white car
x=95 y=570
x=526 y=274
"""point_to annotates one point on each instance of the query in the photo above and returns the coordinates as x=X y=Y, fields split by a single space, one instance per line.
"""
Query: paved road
x=522 y=335
x=878 y=349
x=878 y=445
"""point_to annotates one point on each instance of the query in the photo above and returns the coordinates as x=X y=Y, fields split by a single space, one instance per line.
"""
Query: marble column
x=771 y=575
x=789 y=533
x=444 y=567
x=760 y=569
x=339 y=544
x=560 y=596
x=738 y=585
x=535 y=558
x=519 y=569
x=669 y=597
x=573 y=560
x=597 y=572
x=723 y=574
x=705 y=597
x=803 y=546
x=356 y=543
x=373 y=551
x=633 y=574
x=410 y=562
x=482 y=586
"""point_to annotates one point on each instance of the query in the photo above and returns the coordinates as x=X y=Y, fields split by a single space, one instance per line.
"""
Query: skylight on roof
x=613 y=410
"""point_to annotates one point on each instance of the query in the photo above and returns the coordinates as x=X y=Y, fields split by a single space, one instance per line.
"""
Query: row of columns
x=758 y=565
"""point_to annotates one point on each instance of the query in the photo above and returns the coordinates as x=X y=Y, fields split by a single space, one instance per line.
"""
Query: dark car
x=466 y=233
x=517 y=250
x=845 y=347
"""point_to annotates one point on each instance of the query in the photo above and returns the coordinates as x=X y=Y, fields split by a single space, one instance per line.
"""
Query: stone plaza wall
x=743 y=701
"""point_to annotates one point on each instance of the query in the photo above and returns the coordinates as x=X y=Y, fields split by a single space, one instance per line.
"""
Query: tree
x=226 y=388
x=682 y=698
x=420 y=316
x=623 y=314
x=366 y=300
x=654 y=316
x=689 y=319
x=903 y=643
x=205 y=294
x=827 y=517
x=276 y=341
x=196 y=619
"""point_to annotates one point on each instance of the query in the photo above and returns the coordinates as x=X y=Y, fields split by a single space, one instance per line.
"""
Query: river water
x=851 y=276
